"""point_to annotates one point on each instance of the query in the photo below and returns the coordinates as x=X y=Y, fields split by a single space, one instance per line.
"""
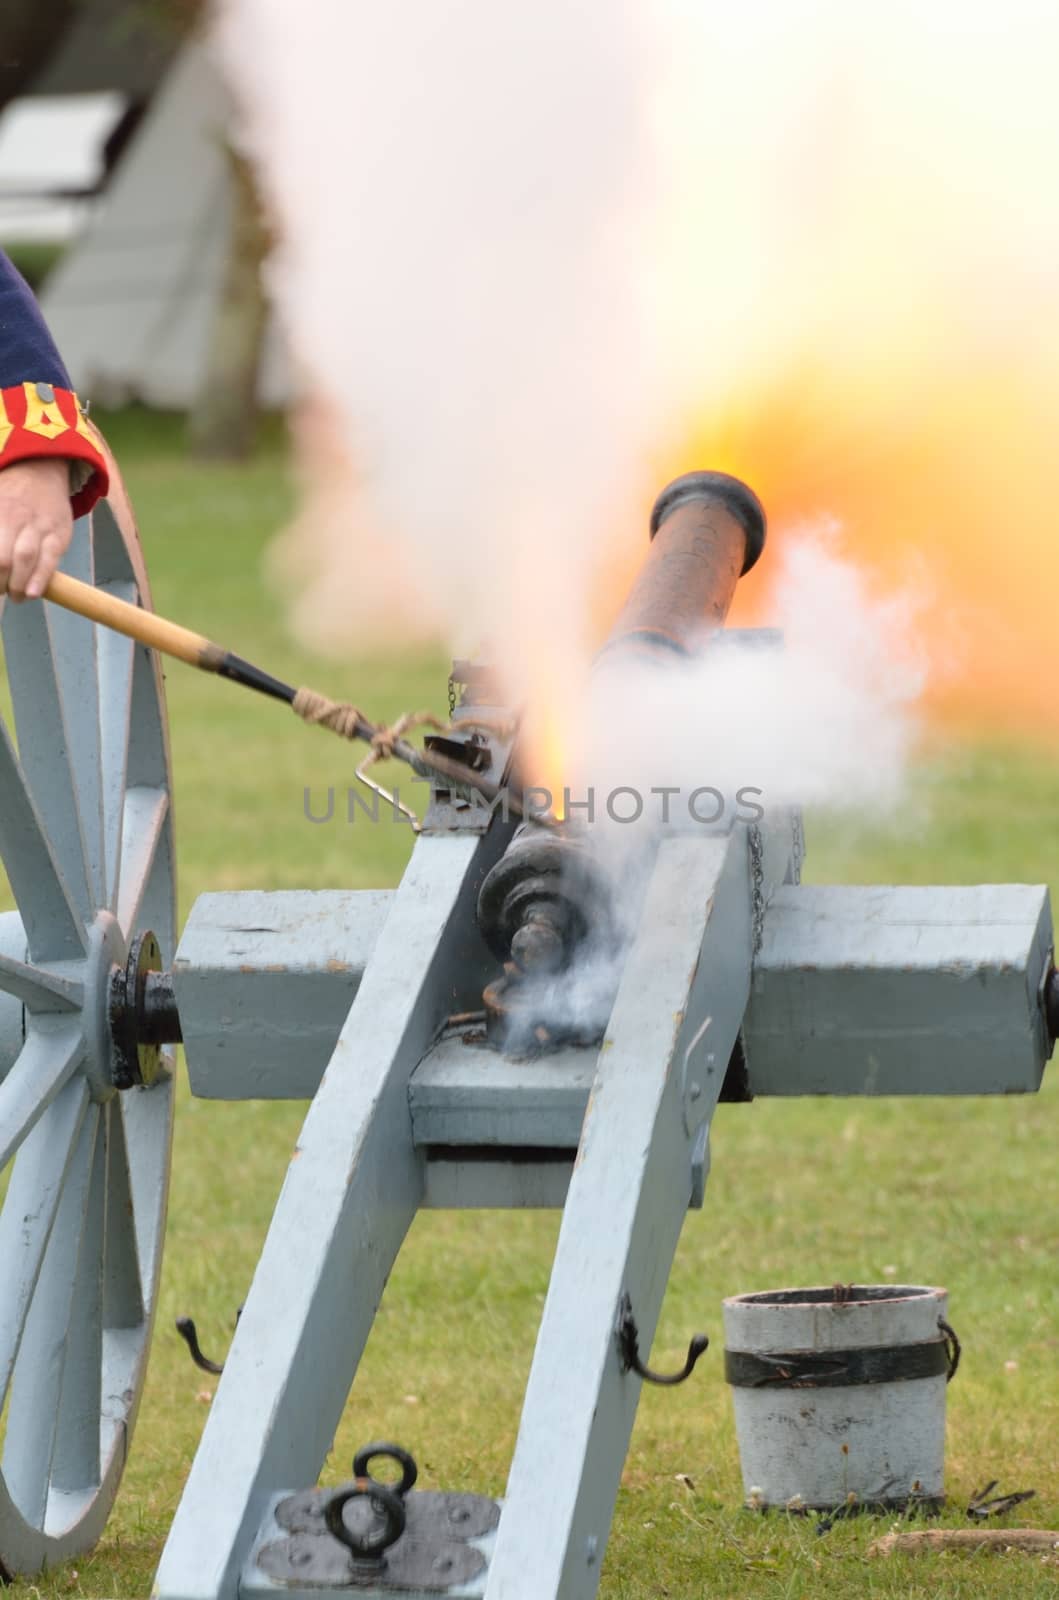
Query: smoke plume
x=535 y=260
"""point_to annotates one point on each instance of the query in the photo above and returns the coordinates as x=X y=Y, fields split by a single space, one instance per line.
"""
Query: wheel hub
x=126 y=1017
x=136 y=1046
x=106 y=952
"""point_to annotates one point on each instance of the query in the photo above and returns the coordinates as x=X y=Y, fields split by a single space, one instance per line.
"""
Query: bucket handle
x=952 y=1344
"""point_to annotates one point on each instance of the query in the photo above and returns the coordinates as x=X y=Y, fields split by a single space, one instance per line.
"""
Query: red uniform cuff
x=38 y=419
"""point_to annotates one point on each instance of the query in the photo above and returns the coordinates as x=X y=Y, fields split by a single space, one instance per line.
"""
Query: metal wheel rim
x=86 y=841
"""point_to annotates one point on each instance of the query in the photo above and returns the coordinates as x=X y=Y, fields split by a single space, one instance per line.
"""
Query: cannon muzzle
x=707 y=529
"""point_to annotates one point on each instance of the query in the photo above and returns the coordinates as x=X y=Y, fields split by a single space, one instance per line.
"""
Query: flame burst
x=941 y=485
x=864 y=272
x=946 y=485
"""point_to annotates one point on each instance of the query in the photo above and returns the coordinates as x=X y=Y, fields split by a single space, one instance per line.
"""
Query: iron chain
x=756 y=851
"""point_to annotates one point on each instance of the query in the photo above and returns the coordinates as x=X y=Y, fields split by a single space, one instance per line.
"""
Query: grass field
x=961 y=1193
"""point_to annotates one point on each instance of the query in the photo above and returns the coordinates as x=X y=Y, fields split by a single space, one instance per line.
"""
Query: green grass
x=964 y=1194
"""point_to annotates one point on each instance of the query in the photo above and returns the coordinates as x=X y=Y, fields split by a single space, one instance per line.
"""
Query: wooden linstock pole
x=148 y=628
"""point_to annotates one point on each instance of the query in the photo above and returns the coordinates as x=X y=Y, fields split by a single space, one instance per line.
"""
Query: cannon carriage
x=738 y=981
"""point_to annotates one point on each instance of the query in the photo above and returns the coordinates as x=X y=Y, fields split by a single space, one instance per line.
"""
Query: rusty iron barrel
x=707 y=529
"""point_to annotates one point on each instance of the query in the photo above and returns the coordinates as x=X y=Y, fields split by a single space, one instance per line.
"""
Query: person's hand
x=36 y=524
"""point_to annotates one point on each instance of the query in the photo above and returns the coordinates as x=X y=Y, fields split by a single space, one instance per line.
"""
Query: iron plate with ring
x=392 y=1539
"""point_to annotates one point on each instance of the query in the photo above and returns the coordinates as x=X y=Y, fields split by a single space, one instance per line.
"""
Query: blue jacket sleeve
x=27 y=349
x=40 y=416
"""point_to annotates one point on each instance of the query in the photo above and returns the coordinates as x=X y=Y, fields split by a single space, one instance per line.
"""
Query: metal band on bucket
x=832 y=1369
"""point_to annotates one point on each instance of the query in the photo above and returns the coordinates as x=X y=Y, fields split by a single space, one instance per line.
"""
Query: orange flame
x=547 y=740
x=947 y=483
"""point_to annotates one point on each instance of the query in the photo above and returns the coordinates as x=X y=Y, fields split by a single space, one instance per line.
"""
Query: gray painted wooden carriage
x=739 y=980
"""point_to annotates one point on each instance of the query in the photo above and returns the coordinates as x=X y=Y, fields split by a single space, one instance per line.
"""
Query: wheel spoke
x=116 y=659
x=148 y=1129
x=75 y=1458
x=36 y=1389
x=144 y=820
x=54 y=931
x=50 y=1056
x=109 y=551
x=116 y=656
x=148 y=761
x=39 y=989
x=74 y=646
x=46 y=738
x=122 y=1286
x=29 y=1213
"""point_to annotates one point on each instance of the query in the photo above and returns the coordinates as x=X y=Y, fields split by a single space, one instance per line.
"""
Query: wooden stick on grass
x=931 y=1540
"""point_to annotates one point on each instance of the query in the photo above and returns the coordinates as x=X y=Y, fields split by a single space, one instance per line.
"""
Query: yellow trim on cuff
x=37 y=419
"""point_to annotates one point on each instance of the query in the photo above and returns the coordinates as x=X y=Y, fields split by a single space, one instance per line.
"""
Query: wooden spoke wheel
x=87 y=846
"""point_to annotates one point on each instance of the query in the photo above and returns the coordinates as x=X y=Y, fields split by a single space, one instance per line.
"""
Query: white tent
x=131 y=303
x=51 y=158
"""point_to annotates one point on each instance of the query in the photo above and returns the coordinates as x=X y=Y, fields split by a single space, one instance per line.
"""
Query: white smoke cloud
x=828 y=715
x=523 y=247
x=460 y=187
x=747 y=727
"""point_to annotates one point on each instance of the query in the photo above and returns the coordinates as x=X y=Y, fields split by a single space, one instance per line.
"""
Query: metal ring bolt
x=386 y=1498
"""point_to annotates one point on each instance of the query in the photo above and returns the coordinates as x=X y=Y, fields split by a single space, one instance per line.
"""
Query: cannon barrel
x=707 y=529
